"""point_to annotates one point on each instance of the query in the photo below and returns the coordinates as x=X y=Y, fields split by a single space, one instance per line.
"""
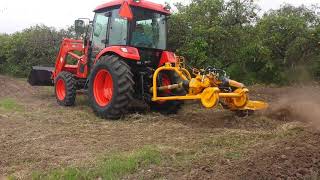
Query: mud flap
x=41 y=76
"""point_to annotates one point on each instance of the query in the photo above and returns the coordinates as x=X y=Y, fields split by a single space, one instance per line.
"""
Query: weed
x=10 y=105
x=234 y=155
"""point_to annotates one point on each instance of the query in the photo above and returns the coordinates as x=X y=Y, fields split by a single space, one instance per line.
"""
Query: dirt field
x=38 y=135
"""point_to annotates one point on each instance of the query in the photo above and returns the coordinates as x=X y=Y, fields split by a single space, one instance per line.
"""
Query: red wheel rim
x=60 y=89
x=103 y=87
x=166 y=82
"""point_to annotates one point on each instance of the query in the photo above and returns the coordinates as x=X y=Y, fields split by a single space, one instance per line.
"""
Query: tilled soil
x=284 y=159
x=296 y=158
x=41 y=136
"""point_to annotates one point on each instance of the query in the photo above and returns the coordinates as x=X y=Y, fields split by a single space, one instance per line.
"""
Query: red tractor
x=123 y=57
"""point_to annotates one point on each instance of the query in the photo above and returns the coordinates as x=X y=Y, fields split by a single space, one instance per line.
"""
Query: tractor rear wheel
x=110 y=87
x=168 y=107
x=65 y=89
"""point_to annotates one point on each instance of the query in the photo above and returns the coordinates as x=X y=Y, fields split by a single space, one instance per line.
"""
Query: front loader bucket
x=41 y=76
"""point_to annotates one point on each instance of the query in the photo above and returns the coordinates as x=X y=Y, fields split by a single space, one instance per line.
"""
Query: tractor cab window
x=148 y=29
x=118 y=29
x=99 y=36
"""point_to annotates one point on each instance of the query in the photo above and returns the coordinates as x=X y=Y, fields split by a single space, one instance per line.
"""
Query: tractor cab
x=138 y=27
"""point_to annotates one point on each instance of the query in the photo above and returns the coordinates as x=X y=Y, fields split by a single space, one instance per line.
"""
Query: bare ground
x=39 y=135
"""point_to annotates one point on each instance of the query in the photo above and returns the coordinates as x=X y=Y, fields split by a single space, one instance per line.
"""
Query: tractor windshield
x=149 y=29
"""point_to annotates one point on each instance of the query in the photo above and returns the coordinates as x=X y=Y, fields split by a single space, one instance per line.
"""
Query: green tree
x=214 y=32
x=34 y=46
x=271 y=49
x=290 y=33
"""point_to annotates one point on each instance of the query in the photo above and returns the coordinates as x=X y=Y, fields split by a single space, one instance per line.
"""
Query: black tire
x=70 y=89
x=122 y=87
x=168 y=107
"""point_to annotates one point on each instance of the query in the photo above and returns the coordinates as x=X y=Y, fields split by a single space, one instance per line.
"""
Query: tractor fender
x=123 y=51
x=167 y=57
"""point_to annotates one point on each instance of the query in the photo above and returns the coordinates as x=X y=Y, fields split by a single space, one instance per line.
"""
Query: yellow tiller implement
x=211 y=86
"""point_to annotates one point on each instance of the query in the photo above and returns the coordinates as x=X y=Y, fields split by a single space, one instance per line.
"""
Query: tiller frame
x=210 y=86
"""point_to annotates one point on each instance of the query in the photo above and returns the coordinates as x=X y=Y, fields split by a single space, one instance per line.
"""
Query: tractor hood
x=138 y=3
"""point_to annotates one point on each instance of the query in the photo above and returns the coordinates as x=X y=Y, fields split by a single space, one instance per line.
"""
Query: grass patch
x=242 y=140
x=291 y=132
x=10 y=105
x=235 y=145
x=237 y=140
x=111 y=167
x=234 y=155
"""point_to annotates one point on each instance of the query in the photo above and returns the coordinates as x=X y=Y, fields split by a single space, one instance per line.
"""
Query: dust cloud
x=298 y=104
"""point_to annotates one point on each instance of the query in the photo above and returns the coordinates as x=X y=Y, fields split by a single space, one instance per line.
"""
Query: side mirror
x=79 y=26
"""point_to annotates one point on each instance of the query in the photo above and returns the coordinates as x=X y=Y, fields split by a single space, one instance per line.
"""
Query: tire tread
x=120 y=100
x=70 y=83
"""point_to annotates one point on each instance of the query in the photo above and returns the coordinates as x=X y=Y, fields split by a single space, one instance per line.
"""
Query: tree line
x=37 y=45
x=281 y=46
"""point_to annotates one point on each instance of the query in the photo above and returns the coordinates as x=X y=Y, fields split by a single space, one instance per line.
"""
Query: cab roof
x=142 y=3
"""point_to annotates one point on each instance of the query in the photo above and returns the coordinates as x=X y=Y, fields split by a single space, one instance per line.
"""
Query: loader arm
x=72 y=48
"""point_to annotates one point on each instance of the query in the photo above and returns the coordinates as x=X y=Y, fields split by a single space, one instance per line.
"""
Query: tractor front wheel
x=110 y=87
x=65 y=89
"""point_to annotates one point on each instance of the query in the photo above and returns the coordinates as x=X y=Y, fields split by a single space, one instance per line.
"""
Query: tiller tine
x=256 y=105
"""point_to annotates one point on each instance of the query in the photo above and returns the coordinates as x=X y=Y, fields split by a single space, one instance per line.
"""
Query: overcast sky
x=16 y=15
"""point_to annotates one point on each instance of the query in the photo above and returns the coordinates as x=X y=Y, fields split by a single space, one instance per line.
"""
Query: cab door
x=100 y=33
